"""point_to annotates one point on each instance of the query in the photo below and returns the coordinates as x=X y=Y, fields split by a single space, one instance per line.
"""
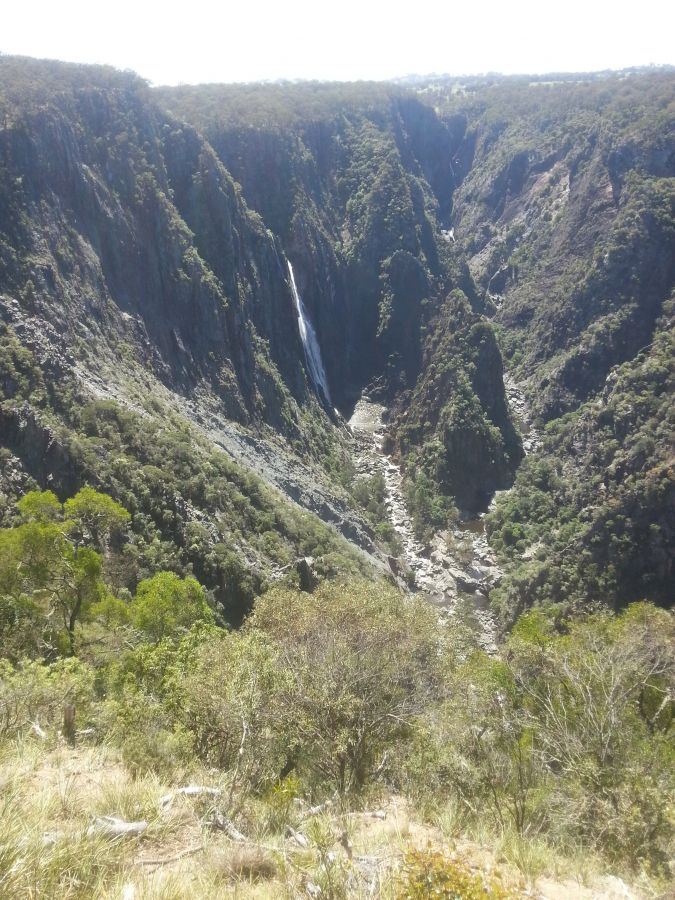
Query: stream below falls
x=458 y=568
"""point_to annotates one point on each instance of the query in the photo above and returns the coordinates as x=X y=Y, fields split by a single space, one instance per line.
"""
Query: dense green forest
x=300 y=659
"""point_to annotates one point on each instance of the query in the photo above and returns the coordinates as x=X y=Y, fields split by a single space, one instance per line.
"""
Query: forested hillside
x=337 y=488
x=566 y=211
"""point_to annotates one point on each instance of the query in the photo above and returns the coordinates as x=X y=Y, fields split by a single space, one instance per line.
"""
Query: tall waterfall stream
x=310 y=343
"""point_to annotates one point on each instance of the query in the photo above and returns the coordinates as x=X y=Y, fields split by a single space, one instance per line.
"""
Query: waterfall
x=310 y=343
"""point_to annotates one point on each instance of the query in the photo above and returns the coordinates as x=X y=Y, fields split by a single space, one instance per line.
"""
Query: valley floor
x=458 y=569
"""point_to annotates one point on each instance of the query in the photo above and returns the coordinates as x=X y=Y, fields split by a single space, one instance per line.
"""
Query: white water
x=310 y=343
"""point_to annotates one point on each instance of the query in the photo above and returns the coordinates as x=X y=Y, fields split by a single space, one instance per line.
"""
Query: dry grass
x=49 y=797
x=248 y=864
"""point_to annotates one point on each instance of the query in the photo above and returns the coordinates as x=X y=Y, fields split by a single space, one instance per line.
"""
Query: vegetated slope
x=148 y=315
x=566 y=211
x=357 y=181
x=591 y=517
x=136 y=271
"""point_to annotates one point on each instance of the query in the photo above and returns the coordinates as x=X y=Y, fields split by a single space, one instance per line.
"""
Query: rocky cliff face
x=567 y=218
x=121 y=228
x=340 y=176
x=566 y=212
x=147 y=292
x=145 y=297
x=358 y=184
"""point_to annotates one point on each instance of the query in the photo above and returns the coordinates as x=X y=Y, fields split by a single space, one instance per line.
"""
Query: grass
x=49 y=797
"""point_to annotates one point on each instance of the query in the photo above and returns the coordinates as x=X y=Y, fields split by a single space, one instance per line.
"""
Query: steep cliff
x=566 y=212
x=147 y=292
x=339 y=174
x=151 y=343
x=358 y=181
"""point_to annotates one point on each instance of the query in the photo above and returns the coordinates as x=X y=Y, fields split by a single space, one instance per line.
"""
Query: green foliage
x=456 y=435
x=48 y=579
x=343 y=697
x=229 y=702
x=33 y=693
x=430 y=511
x=430 y=873
x=590 y=517
x=40 y=506
x=149 y=737
x=95 y=516
x=165 y=604
x=568 y=736
x=308 y=687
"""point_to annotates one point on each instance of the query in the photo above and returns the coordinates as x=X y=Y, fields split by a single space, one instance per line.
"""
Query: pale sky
x=248 y=40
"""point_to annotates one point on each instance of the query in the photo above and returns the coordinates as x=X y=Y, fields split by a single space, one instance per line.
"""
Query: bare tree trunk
x=69 y=723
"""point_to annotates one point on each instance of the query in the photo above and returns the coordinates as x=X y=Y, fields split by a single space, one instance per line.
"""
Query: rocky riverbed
x=521 y=412
x=458 y=569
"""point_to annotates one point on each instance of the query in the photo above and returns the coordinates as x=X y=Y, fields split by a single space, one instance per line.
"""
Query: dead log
x=111 y=826
x=222 y=823
x=298 y=837
x=69 y=723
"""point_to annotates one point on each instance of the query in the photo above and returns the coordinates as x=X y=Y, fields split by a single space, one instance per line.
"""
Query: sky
x=198 y=41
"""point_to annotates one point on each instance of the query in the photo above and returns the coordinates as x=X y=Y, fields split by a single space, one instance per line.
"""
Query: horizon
x=368 y=42
x=400 y=79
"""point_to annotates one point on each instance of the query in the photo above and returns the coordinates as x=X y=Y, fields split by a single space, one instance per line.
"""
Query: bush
x=228 y=700
x=342 y=695
x=148 y=735
x=429 y=873
x=165 y=605
x=568 y=735
x=35 y=693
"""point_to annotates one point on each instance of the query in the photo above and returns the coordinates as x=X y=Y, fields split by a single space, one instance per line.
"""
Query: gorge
x=141 y=260
x=337 y=488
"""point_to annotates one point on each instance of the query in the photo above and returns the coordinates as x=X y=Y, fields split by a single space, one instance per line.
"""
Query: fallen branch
x=222 y=823
x=298 y=837
x=316 y=810
x=114 y=827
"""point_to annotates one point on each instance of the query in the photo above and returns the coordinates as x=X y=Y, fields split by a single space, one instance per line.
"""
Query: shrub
x=149 y=737
x=165 y=604
x=568 y=735
x=227 y=698
x=35 y=693
x=430 y=873
x=356 y=663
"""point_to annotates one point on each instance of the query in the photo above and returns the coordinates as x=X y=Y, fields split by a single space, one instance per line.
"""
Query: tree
x=76 y=585
x=357 y=662
x=165 y=604
x=40 y=506
x=47 y=573
x=94 y=517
